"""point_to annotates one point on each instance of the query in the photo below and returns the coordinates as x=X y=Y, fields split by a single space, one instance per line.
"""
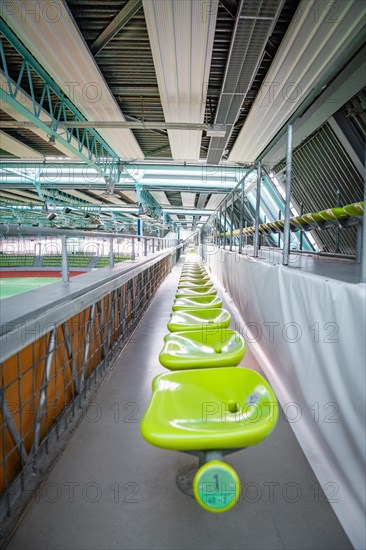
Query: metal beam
x=119 y=209
x=18 y=182
x=121 y=19
x=133 y=124
x=206 y=170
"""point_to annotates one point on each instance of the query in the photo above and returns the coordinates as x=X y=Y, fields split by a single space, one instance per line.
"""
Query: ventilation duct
x=254 y=24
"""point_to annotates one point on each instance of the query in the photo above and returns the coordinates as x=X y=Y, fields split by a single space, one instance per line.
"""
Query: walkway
x=111 y=490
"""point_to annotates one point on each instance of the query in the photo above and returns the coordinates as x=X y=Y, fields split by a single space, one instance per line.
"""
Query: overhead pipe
x=15 y=230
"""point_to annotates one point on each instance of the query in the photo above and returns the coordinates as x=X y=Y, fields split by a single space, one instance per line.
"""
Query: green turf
x=11 y=286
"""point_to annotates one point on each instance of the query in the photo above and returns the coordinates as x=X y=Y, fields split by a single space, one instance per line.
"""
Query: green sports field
x=17 y=285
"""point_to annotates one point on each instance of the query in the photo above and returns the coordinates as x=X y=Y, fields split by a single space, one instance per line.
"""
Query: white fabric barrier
x=308 y=334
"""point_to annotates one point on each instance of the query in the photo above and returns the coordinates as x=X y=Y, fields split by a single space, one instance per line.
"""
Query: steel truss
x=85 y=144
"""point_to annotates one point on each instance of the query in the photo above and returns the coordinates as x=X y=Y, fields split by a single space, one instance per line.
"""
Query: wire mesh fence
x=46 y=385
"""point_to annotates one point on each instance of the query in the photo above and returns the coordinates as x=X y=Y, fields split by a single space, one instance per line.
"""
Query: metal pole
x=145 y=246
x=279 y=235
x=111 y=255
x=220 y=227
x=301 y=232
x=286 y=231
x=257 y=206
x=65 y=263
x=241 y=218
x=363 y=248
x=337 y=234
x=262 y=236
x=246 y=235
x=231 y=224
x=225 y=207
x=359 y=243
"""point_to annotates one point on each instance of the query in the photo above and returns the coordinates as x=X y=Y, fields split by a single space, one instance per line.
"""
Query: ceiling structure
x=118 y=108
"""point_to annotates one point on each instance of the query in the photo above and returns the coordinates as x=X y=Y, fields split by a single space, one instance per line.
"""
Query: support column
x=231 y=223
x=225 y=208
x=257 y=207
x=241 y=217
x=337 y=233
x=65 y=263
x=363 y=248
x=111 y=255
x=286 y=231
x=301 y=232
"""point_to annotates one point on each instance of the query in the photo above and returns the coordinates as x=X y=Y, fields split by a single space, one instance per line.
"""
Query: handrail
x=24 y=321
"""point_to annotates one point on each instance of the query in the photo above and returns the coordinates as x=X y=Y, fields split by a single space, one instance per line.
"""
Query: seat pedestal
x=185 y=476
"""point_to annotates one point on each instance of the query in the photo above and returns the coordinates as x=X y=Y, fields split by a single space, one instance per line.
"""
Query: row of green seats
x=74 y=260
x=16 y=260
x=104 y=260
x=202 y=408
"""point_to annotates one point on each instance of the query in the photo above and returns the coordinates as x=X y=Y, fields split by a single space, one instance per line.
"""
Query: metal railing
x=219 y=228
x=54 y=358
x=133 y=245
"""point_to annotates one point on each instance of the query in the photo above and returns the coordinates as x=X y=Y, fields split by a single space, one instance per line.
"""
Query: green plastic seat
x=194 y=276
x=201 y=282
x=199 y=291
x=202 y=349
x=192 y=284
x=208 y=302
x=206 y=409
x=195 y=319
x=194 y=269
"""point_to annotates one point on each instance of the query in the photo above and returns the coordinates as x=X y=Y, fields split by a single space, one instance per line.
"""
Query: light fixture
x=216 y=130
x=51 y=216
x=52 y=140
x=142 y=210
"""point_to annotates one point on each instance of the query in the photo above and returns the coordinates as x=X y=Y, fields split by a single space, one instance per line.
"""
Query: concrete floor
x=112 y=490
